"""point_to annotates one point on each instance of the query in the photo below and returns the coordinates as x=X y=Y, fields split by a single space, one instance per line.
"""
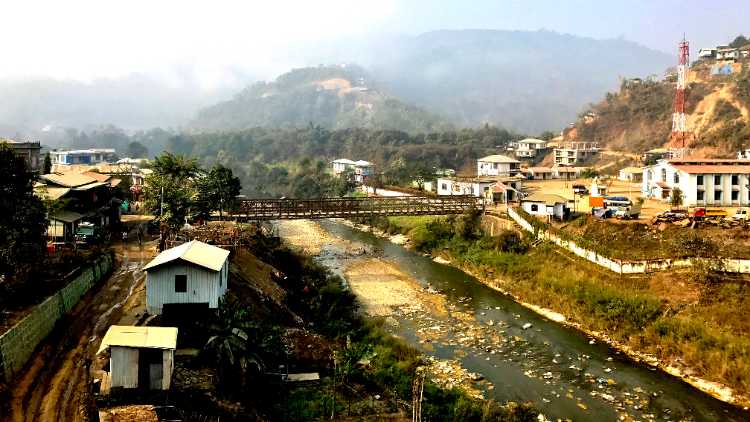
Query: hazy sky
x=214 y=39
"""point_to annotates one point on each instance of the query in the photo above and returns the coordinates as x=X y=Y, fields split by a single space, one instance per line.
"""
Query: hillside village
x=181 y=297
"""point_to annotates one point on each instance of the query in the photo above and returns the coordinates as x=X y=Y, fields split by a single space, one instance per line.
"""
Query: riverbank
x=624 y=313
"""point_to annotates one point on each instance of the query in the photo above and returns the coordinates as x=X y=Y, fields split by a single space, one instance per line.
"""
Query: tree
x=22 y=218
x=170 y=189
x=676 y=198
x=740 y=41
x=218 y=190
x=137 y=150
x=47 y=164
x=589 y=173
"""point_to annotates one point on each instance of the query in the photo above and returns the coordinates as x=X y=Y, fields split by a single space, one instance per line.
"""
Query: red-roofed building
x=703 y=181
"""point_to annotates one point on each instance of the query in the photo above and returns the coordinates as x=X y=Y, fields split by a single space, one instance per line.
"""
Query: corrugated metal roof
x=132 y=336
x=97 y=176
x=69 y=180
x=52 y=194
x=547 y=198
x=195 y=252
x=497 y=158
x=343 y=161
x=66 y=216
x=91 y=186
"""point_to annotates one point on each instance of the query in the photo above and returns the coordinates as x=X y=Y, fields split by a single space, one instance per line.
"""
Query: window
x=699 y=179
x=717 y=180
x=663 y=175
x=735 y=179
x=534 y=207
x=180 y=283
x=717 y=195
x=445 y=186
x=735 y=195
x=676 y=178
x=700 y=195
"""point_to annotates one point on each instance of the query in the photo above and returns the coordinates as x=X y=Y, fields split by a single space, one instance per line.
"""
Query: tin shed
x=140 y=356
x=193 y=272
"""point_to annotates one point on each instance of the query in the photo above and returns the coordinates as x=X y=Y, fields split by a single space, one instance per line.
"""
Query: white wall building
x=571 y=153
x=631 y=174
x=140 y=356
x=83 y=156
x=703 y=182
x=498 y=165
x=362 y=169
x=193 y=272
x=529 y=147
x=546 y=205
x=491 y=189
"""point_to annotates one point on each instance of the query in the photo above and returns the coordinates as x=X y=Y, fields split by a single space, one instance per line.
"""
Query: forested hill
x=334 y=97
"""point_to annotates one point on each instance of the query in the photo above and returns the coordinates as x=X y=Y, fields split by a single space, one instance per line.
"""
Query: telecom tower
x=679 y=123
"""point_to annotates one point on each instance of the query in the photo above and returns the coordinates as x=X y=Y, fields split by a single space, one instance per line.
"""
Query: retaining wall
x=732 y=265
x=18 y=343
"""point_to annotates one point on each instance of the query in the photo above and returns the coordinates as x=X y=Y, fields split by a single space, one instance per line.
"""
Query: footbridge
x=290 y=209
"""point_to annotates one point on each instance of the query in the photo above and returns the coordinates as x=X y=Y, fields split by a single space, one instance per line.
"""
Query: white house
x=362 y=169
x=539 y=173
x=498 y=165
x=139 y=356
x=491 y=189
x=546 y=205
x=192 y=273
x=707 y=53
x=703 y=181
x=631 y=174
x=571 y=153
x=529 y=147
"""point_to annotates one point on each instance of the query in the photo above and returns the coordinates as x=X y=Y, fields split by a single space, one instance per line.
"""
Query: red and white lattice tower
x=679 y=123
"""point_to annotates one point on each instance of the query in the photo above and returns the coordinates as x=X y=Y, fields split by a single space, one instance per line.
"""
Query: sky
x=212 y=41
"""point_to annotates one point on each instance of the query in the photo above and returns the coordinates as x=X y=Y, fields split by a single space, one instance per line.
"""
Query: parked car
x=741 y=215
x=87 y=234
x=627 y=213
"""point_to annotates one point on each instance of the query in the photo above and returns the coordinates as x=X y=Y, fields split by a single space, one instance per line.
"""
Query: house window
x=717 y=195
x=663 y=175
x=180 y=283
x=699 y=179
x=735 y=180
x=717 y=180
x=700 y=195
x=735 y=195
x=534 y=207
x=445 y=186
x=676 y=178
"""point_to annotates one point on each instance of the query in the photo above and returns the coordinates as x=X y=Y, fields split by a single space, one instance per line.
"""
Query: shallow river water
x=561 y=370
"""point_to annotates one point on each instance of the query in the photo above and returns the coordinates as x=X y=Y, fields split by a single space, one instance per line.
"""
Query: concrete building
x=192 y=273
x=493 y=190
x=529 y=148
x=571 y=153
x=83 y=156
x=707 y=53
x=547 y=205
x=703 y=181
x=631 y=174
x=539 y=173
x=140 y=357
x=362 y=169
x=498 y=165
x=29 y=150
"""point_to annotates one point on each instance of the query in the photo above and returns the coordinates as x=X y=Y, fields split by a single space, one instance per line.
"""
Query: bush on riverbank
x=707 y=329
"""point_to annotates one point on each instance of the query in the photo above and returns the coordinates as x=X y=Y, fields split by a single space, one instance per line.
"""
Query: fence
x=18 y=343
x=730 y=265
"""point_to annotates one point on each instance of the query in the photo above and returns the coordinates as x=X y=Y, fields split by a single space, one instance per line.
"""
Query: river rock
x=527 y=326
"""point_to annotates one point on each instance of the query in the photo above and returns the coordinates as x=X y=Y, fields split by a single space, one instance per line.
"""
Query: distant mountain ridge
x=334 y=97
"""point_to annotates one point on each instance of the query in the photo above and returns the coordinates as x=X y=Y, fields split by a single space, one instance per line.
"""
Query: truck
x=627 y=213
x=741 y=215
x=87 y=234
x=701 y=213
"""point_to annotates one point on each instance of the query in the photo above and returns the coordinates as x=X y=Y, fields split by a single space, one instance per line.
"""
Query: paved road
x=54 y=385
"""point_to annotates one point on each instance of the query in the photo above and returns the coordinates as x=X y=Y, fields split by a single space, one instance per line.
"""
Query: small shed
x=192 y=273
x=140 y=357
x=546 y=204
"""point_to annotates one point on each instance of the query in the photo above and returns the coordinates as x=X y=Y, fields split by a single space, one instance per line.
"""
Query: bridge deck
x=288 y=209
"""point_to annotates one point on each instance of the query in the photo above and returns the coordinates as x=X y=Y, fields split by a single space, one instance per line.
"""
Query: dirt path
x=54 y=385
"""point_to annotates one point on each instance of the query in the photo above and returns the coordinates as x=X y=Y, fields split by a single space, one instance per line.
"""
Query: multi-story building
x=83 y=156
x=702 y=181
x=362 y=169
x=529 y=148
x=491 y=189
x=29 y=150
x=498 y=165
x=571 y=153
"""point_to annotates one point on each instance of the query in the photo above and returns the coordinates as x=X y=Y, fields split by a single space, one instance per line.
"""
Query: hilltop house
x=631 y=174
x=139 y=357
x=29 y=150
x=546 y=205
x=571 y=153
x=192 y=273
x=703 y=181
x=491 y=189
x=529 y=147
x=362 y=169
x=498 y=165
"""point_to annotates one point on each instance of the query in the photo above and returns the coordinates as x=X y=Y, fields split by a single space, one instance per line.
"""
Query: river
x=523 y=355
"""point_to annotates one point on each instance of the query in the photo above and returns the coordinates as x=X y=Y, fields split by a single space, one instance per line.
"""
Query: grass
x=707 y=330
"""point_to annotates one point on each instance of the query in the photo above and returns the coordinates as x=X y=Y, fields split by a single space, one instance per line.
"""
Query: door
x=150 y=369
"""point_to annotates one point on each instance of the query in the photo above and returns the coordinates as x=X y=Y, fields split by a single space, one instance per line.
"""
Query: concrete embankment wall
x=731 y=265
x=18 y=343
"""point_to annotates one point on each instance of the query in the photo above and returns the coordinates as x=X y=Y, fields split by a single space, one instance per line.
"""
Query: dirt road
x=55 y=383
